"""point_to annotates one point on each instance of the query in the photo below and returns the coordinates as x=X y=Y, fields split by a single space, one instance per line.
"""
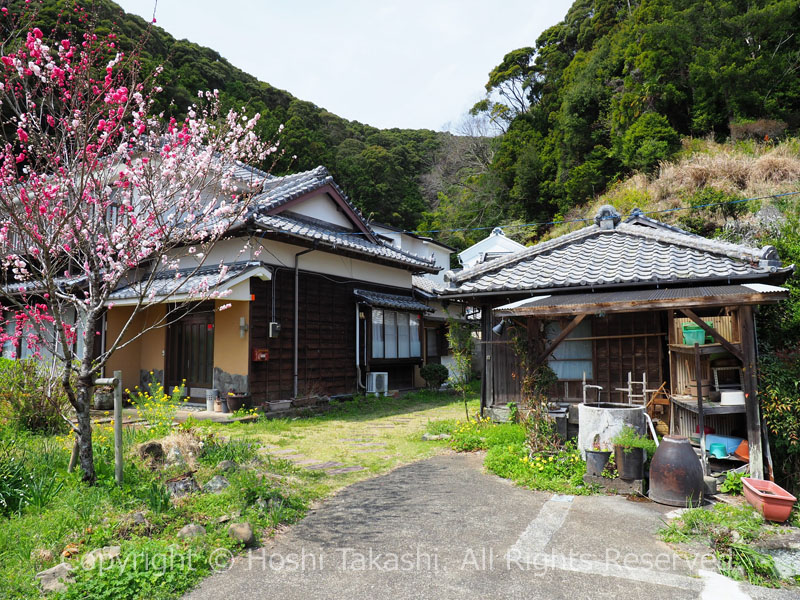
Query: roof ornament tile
x=498 y=231
x=607 y=217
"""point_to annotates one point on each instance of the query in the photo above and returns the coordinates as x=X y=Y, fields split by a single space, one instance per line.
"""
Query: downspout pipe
x=295 y=370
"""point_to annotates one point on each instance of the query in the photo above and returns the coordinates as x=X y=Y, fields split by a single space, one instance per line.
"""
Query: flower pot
x=236 y=401
x=630 y=462
x=770 y=499
x=596 y=461
x=103 y=399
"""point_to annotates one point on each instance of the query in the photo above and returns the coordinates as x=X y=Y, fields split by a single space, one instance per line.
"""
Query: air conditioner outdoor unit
x=377 y=383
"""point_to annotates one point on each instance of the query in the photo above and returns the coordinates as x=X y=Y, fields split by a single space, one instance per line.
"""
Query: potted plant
x=236 y=400
x=630 y=452
x=597 y=458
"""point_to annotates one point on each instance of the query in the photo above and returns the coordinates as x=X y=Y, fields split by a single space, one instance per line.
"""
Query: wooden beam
x=698 y=374
x=750 y=381
x=713 y=333
x=643 y=305
x=560 y=338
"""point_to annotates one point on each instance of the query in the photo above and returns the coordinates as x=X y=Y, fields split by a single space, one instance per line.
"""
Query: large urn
x=676 y=475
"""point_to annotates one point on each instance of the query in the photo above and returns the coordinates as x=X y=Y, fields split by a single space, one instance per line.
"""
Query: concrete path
x=441 y=528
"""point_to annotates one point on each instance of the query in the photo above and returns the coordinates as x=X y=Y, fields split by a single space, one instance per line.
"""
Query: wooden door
x=190 y=350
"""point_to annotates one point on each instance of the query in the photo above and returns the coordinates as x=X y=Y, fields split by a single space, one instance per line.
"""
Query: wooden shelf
x=709 y=408
x=705 y=349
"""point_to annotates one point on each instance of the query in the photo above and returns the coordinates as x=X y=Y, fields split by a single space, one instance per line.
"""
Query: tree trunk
x=83 y=397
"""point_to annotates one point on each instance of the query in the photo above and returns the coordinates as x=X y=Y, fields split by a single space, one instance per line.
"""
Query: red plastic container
x=774 y=502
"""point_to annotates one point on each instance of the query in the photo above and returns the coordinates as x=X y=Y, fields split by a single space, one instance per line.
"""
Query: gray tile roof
x=629 y=253
x=382 y=300
x=177 y=282
x=316 y=232
x=426 y=285
x=277 y=191
x=31 y=286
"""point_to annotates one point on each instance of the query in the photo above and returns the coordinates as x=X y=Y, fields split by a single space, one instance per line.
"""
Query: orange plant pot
x=770 y=499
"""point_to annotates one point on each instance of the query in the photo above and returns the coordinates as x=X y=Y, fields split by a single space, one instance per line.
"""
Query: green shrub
x=155 y=406
x=560 y=471
x=780 y=402
x=14 y=479
x=732 y=484
x=629 y=439
x=649 y=141
x=216 y=450
x=31 y=396
x=434 y=375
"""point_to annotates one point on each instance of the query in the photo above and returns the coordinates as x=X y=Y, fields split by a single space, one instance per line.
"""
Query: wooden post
x=700 y=418
x=73 y=459
x=118 y=427
x=750 y=381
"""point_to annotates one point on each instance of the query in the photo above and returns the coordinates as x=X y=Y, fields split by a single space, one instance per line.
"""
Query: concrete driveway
x=442 y=528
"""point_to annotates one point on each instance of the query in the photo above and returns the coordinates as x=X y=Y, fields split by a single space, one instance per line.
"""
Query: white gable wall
x=494 y=243
x=322 y=208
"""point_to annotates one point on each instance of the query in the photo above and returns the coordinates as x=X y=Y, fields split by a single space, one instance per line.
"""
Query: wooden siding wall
x=644 y=353
x=327 y=347
x=632 y=342
x=326 y=355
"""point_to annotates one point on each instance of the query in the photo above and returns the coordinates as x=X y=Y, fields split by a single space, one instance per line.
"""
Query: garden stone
x=152 y=450
x=175 y=457
x=192 y=530
x=41 y=555
x=242 y=532
x=227 y=465
x=430 y=437
x=101 y=555
x=138 y=518
x=55 y=579
x=216 y=484
x=181 y=487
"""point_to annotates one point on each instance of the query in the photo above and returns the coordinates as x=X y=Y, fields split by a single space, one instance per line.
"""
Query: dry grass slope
x=736 y=169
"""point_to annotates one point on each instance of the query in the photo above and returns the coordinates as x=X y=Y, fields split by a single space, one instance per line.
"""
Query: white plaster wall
x=282 y=255
x=493 y=243
x=321 y=207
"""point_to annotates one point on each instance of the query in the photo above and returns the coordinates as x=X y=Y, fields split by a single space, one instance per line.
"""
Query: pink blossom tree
x=96 y=191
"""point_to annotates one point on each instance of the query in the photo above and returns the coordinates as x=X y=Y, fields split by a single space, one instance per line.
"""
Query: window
x=572 y=358
x=403 y=341
x=395 y=334
x=390 y=333
x=377 y=334
x=432 y=338
x=416 y=350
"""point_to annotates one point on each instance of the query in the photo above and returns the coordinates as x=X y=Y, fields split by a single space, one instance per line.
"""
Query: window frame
x=396 y=338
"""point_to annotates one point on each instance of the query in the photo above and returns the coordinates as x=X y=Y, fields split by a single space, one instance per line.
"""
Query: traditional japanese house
x=606 y=307
x=314 y=301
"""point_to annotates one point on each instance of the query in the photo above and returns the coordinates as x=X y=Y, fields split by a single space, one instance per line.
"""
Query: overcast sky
x=387 y=63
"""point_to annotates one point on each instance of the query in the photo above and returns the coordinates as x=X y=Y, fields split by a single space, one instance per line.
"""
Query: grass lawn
x=61 y=519
x=378 y=434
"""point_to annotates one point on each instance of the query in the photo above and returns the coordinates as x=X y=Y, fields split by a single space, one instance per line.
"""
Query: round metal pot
x=676 y=475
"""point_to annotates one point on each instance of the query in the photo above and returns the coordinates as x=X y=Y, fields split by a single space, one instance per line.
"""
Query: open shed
x=606 y=307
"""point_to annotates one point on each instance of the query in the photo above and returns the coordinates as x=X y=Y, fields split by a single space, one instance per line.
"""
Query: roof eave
x=778 y=277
